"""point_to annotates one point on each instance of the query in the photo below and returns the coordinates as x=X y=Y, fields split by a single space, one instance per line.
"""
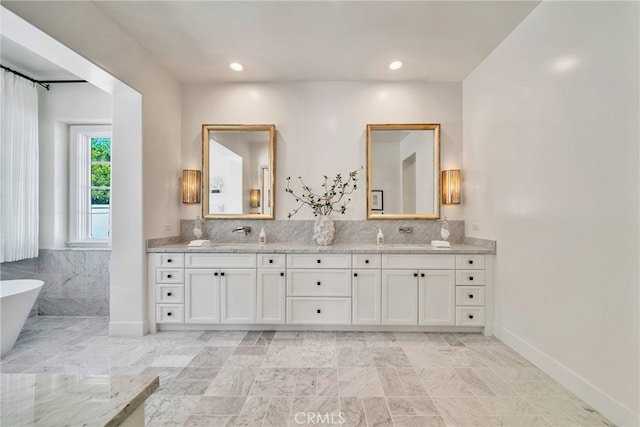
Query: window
x=90 y=185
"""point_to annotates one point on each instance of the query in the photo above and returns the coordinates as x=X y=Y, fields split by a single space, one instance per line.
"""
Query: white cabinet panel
x=238 y=296
x=367 y=260
x=202 y=296
x=470 y=316
x=418 y=261
x=170 y=260
x=437 y=292
x=470 y=295
x=470 y=277
x=271 y=260
x=470 y=262
x=271 y=296
x=399 y=297
x=318 y=261
x=366 y=294
x=319 y=283
x=209 y=260
x=169 y=294
x=170 y=275
x=169 y=313
x=318 y=311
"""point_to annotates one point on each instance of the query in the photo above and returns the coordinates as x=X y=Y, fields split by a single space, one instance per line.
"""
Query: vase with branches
x=334 y=197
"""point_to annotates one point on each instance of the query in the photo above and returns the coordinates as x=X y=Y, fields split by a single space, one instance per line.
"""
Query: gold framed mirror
x=403 y=171
x=238 y=171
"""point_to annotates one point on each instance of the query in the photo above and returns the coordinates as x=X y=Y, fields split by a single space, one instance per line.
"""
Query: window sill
x=102 y=244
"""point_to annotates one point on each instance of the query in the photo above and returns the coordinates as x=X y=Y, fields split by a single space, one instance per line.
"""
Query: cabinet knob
x=421 y=274
x=471 y=278
x=471 y=316
x=168 y=276
x=270 y=261
x=169 y=294
x=318 y=284
x=366 y=261
x=318 y=311
x=470 y=261
x=319 y=261
x=281 y=273
x=415 y=274
x=169 y=260
x=355 y=274
x=470 y=296
x=215 y=274
x=169 y=314
x=222 y=274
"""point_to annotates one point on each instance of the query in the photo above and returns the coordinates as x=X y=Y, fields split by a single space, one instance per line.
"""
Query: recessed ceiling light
x=235 y=66
x=395 y=65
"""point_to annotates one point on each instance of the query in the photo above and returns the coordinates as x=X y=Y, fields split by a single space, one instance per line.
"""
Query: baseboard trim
x=128 y=329
x=599 y=400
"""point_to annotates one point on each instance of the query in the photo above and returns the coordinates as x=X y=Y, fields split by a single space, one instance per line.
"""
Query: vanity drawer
x=170 y=260
x=208 y=260
x=469 y=316
x=170 y=294
x=169 y=313
x=470 y=295
x=303 y=283
x=367 y=260
x=469 y=277
x=271 y=260
x=470 y=262
x=318 y=260
x=418 y=261
x=169 y=275
x=319 y=311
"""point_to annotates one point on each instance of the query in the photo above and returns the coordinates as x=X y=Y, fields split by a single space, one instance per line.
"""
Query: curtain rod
x=44 y=83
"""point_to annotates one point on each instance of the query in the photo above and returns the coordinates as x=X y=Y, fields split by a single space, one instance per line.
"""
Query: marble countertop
x=456 y=248
x=71 y=400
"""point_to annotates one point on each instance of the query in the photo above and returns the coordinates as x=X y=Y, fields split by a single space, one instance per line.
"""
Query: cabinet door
x=238 y=295
x=202 y=296
x=399 y=297
x=271 y=296
x=437 y=293
x=366 y=300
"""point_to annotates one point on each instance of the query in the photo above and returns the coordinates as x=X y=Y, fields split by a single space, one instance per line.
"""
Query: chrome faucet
x=246 y=230
x=406 y=230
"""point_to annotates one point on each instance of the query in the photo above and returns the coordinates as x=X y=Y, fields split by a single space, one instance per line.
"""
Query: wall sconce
x=191 y=186
x=254 y=198
x=451 y=187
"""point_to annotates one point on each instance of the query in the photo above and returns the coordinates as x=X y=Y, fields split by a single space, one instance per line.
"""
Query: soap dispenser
x=262 y=238
x=380 y=237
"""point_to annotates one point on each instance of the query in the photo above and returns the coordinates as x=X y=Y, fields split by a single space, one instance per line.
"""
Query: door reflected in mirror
x=403 y=163
x=237 y=165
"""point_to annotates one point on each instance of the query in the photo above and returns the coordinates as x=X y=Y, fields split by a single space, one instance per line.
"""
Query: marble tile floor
x=269 y=378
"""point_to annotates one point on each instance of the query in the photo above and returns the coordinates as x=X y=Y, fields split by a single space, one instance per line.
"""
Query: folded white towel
x=440 y=244
x=199 y=243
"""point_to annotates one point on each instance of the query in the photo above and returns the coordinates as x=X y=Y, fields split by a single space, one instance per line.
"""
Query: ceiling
x=310 y=40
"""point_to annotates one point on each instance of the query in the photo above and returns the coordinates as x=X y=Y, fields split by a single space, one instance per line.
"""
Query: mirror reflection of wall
x=235 y=158
x=404 y=165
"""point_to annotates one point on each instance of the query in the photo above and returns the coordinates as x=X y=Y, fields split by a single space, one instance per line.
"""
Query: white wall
x=321 y=127
x=551 y=172
x=59 y=107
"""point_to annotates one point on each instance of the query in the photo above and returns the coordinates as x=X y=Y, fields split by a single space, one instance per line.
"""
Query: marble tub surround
x=266 y=378
x=76 y=281
x=72 y=400
x=301 y=231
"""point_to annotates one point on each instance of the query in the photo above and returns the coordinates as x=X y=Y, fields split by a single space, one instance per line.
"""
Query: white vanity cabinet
x=319 y=289
x=272 y=281
x=366 y=293
x=166 y=273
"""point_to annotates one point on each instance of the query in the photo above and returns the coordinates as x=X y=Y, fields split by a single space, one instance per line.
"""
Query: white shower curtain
x=18 y=168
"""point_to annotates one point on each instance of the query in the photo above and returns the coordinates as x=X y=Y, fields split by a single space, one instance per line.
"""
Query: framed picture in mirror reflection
x=377 y=201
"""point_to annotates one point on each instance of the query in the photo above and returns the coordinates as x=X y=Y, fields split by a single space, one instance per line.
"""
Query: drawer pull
x=355 y=274
x=215 y=274
x=222 y=274
x=168 y=276
x=169 y=260
x=319 y=261
x=470 y=261
x=415 y=274
x=318 y=311
x=470 y=296
x=471 y=316
x=471 y=278
x=169 y=314
x=421 y=274
x=366 y=261
x=169 y=294
x=281 y=274
x=318 y=284
x=270 y=261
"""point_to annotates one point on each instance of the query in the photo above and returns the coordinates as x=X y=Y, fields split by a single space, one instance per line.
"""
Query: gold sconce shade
x=254 y=198
x=191 y=186
x=451 y=187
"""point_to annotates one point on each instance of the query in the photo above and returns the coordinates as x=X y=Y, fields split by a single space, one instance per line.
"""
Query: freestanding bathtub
x=16 y=300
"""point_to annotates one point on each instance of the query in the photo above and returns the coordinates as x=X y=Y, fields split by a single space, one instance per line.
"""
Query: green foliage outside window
x=100 y=172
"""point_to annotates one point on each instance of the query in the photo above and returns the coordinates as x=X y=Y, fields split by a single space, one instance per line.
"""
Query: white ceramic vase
x=324 y=230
